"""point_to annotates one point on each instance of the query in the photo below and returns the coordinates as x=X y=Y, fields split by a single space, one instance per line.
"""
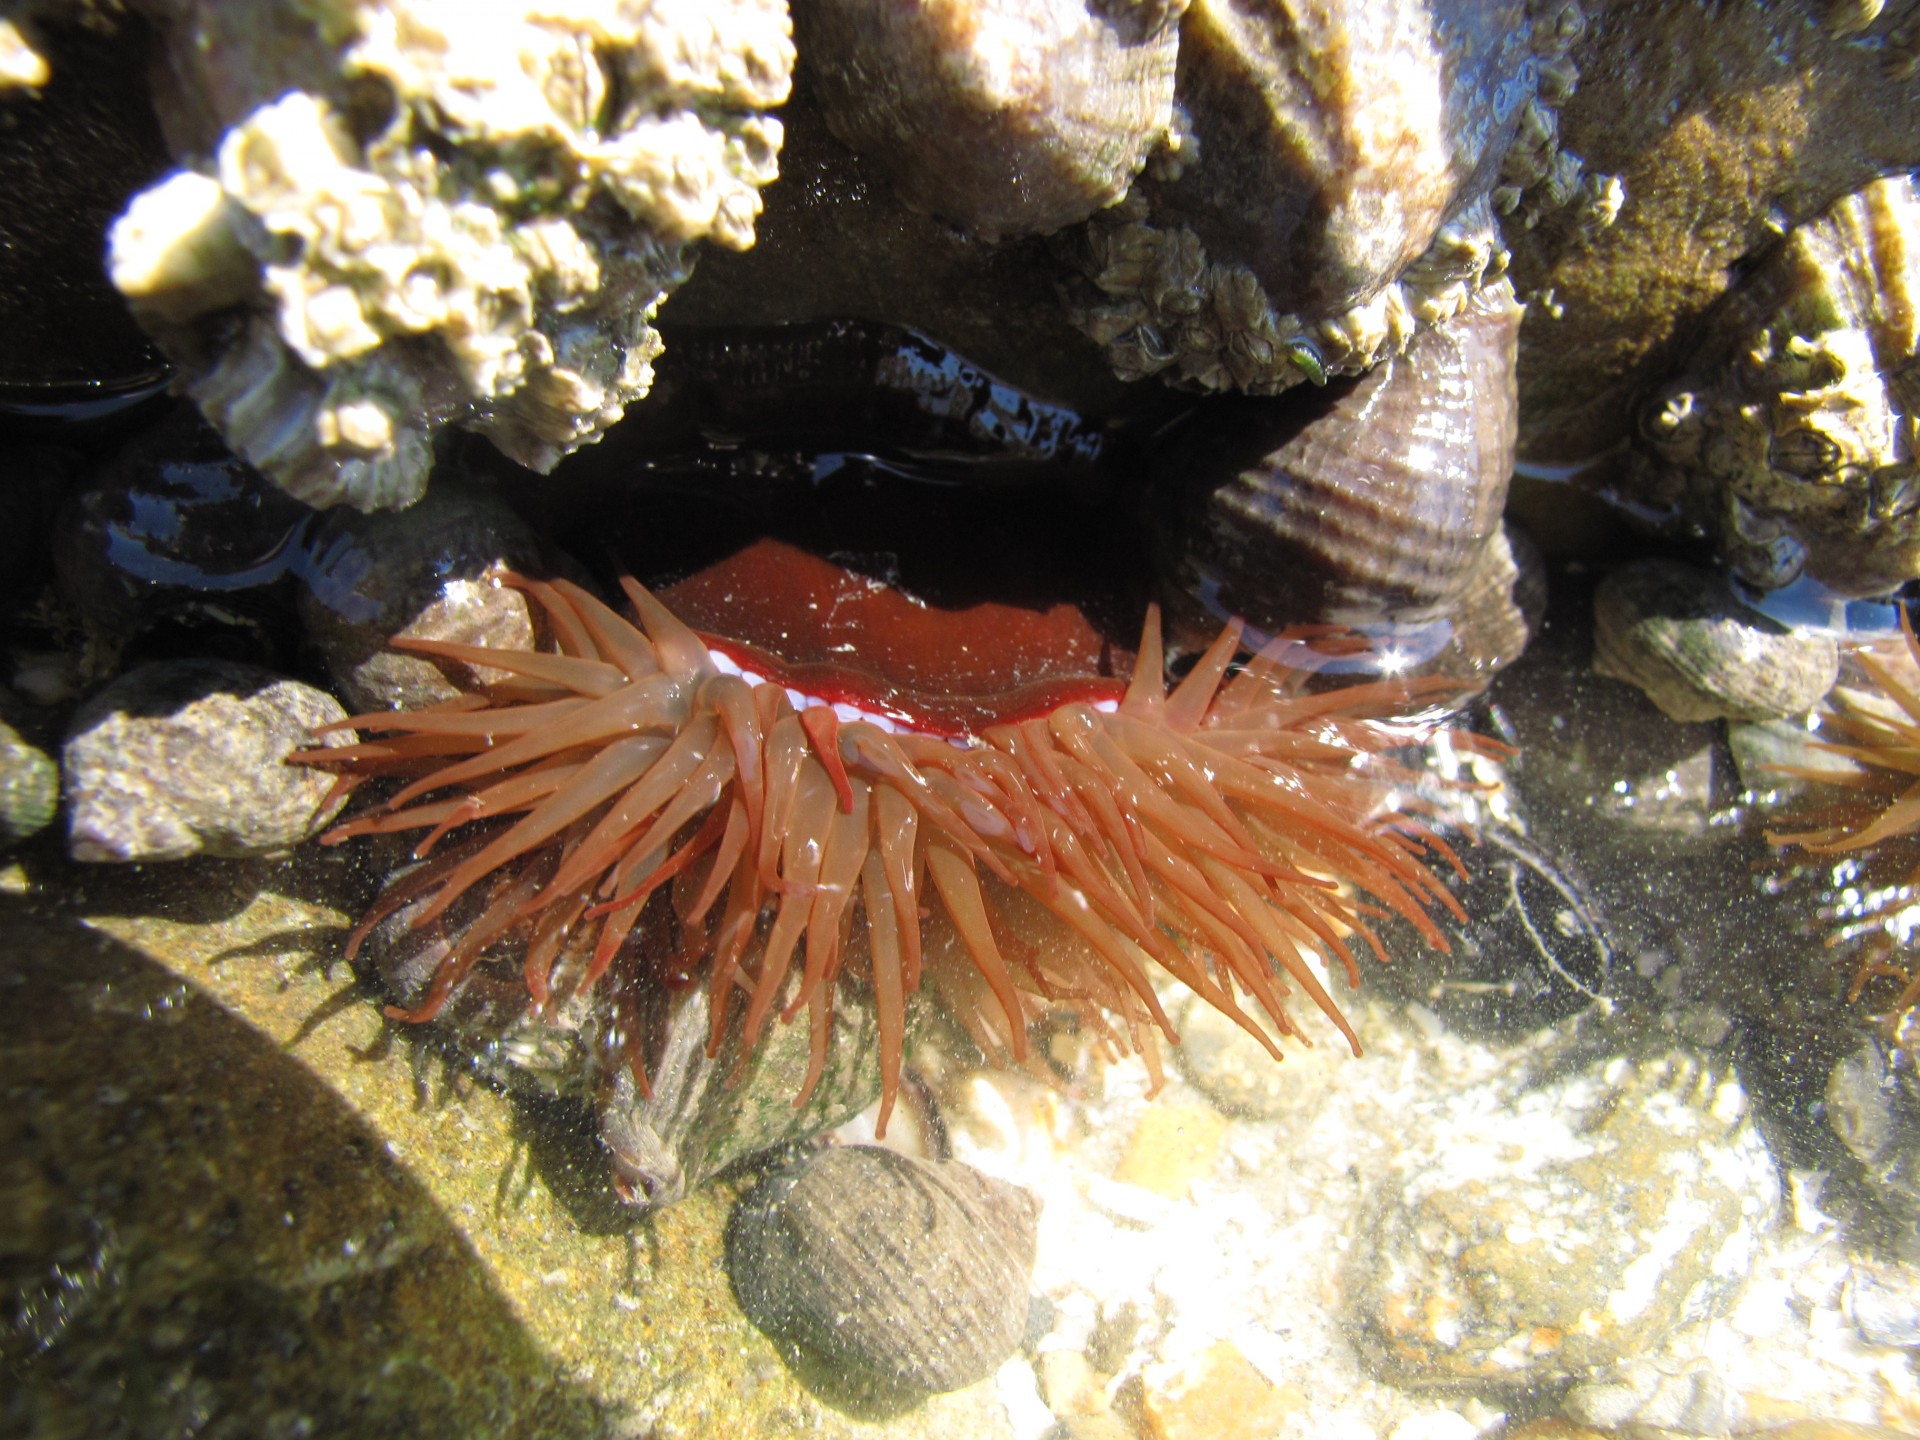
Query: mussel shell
x=1372 y=501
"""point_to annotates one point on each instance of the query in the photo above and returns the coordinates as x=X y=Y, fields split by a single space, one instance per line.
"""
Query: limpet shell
x=1374 y=503
x=1682 y=636
x=1009 y=117
x=908 y=1272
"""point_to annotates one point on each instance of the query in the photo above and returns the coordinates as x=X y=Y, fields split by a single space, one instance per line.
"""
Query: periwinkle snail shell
x=1374 y=503
x=908 y=1274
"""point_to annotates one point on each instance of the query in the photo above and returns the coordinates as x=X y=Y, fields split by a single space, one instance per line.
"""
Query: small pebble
x=1069 y=1383
x=29 y=788
x=188 y=757
x=1218 y=1395
x=1883 y=1304
x=1175 y=1144
x=1445 y=1425
x=424 y=572
x=1237 y=1074
x=1103 y=1426
x=1873 y=1105
x=1636 y=1392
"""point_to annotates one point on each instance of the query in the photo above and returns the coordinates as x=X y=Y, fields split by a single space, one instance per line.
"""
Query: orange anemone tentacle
x=1225 y=832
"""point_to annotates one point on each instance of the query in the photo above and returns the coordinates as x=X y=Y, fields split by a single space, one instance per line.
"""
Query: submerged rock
x=1684 y=638
x=1634 y=1204
x=29 y=787
x=188 y=757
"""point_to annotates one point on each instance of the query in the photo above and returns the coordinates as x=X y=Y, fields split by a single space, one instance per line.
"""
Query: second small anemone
x=1878 y=731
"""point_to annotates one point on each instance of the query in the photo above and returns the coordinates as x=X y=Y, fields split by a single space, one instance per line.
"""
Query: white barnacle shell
x=469 y=219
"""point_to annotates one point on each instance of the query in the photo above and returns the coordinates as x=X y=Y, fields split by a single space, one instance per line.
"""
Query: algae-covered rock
x=1726 y=125
x=197 y=1235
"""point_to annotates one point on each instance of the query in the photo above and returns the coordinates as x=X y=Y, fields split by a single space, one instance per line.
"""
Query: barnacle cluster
x=1330 y=186
x=469 y=218
x=1792 y=436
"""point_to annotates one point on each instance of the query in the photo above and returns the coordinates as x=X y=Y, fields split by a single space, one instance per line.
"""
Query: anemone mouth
x=1229 y=832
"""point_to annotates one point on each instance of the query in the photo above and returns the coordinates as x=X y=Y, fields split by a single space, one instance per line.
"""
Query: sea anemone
x=1232 y=832
x=1880 y=734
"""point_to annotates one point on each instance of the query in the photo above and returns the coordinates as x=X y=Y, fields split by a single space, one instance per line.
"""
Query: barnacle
x=468 y=219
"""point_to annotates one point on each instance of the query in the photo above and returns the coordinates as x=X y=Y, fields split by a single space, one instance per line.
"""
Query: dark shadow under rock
x=198 y=1236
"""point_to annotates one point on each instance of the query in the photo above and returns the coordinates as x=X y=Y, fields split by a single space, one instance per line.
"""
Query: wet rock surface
x=181 y=1203
x=910 y=1274
x=225 y=1177
x=188 y=757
